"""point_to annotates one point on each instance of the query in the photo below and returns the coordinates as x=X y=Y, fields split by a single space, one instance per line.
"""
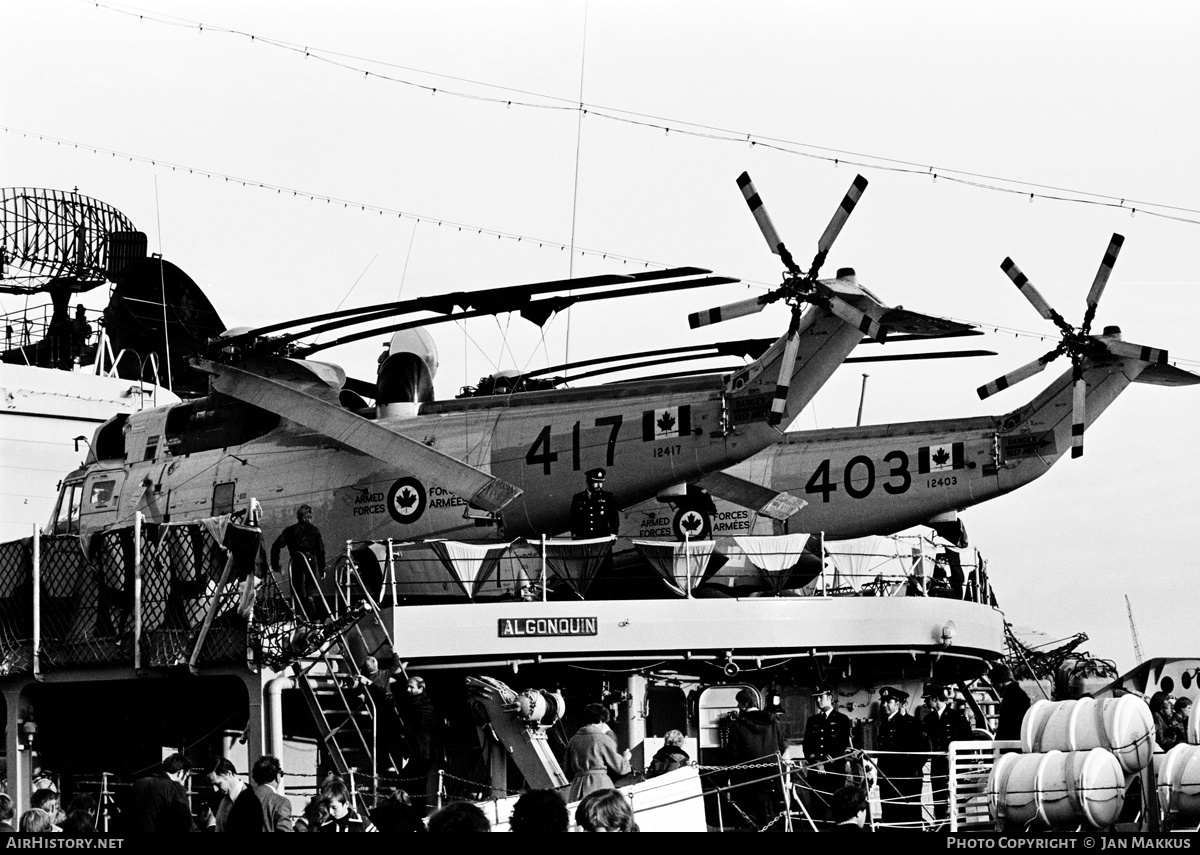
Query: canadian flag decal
x=666 y=422
x=935 y=458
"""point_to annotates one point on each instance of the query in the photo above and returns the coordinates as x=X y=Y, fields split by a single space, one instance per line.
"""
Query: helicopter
x=286 y=430
x=881 y=479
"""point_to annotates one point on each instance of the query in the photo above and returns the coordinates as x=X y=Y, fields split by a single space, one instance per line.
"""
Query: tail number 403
x=858 y=478
x=540 y=451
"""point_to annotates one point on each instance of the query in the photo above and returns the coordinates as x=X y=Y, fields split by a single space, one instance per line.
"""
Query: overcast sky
x=423 y=119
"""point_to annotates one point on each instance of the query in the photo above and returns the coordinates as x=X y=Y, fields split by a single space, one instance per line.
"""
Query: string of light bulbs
x=981 y=181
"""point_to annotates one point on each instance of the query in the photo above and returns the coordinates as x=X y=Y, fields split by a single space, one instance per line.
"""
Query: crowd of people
x=1170 y=719
x=833 y=789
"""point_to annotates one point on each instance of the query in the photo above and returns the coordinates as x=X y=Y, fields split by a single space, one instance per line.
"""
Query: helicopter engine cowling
x=406 y=373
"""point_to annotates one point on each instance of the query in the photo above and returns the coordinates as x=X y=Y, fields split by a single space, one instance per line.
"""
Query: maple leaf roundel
x=406 y=500
x=692 y=522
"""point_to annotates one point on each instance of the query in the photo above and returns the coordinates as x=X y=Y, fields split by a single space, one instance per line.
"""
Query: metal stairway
x=345 y=715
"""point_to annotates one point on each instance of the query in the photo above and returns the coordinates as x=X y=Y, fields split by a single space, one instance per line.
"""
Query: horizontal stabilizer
x=1167 y=375
x=769 y=503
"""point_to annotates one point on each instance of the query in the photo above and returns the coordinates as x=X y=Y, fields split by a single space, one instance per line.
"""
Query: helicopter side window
x=102 y=493
x=223 y=498
x=66 y=517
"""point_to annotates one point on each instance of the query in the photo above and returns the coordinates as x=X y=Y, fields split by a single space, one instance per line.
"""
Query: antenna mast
x=1137 y=642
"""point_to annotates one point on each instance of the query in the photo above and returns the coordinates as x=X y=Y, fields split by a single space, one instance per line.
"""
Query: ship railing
x=438 y=571
x=150 y=595
x=32 y=332
x=25 y=327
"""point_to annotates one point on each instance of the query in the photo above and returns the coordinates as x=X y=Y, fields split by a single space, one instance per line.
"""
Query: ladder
x=346 y=716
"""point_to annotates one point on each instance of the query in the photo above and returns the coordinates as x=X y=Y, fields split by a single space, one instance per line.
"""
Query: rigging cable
x=680 y=126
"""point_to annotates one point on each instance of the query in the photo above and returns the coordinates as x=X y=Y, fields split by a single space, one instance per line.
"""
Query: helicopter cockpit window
x=66 y=517
x=110 y=439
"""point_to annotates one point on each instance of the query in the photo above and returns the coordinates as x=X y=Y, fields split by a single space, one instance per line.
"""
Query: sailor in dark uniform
x=303 y=539
x=826 y=742
x=594 y=511
x=900 y=774
x=943 y=725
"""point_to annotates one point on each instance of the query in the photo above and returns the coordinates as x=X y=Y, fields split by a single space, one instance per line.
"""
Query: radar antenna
x=55 y=239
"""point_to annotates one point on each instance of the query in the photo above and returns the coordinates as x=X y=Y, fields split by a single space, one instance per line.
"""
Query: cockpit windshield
x=66 y=515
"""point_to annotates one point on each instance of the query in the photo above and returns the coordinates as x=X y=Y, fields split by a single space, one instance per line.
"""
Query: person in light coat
x=592 y=756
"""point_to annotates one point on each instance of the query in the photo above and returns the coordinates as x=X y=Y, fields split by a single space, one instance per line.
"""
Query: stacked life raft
x=1078 y=760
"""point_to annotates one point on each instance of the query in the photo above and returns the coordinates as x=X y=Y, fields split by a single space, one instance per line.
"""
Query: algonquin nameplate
x=546 y=627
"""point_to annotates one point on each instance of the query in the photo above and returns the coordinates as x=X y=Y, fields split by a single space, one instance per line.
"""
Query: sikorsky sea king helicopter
x=286 y=430
x=882 y=479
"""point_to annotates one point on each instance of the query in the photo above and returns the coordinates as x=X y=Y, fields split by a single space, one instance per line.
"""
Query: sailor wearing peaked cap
x=594 y=512
x=826 y=744
x=943 y=725
x=902 y=742
x=935 y=689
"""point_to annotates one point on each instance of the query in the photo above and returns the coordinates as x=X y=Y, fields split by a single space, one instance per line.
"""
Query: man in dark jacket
x=379 y=684
x=306 y=552
x=754 y=738
x=1013 y=703
x=826 y=746
x=422 y=726
x=239 y=809
x=943 y=725
x=160 y=803
x=900 y=774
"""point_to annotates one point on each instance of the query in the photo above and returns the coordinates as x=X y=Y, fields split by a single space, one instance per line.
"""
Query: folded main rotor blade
x=496 y=299
x=933 y=354
x=759 y=210
x=537 y=310
x=835 y=225
x=1026 y=287
x=730 y=311
x=1013 y=377
x=1078 y=411
x=369 y=437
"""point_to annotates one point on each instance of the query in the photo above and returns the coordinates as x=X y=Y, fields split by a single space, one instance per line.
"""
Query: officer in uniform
x=594 y=511
x=900 y=774
x=826 y=742
x=943 y=725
